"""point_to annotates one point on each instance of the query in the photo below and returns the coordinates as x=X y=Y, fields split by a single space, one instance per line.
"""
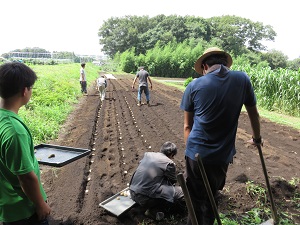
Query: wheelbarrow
x=189 y=204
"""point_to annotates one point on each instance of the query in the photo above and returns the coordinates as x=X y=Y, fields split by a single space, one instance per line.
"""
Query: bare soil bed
x=119 y=132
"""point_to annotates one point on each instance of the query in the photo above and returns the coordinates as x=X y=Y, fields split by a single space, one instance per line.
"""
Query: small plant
x=252 y=217
x=226 y=221
x=256 y=191
x=294 y=181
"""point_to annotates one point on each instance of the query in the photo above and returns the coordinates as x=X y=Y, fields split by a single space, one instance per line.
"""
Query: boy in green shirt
x=22 y=197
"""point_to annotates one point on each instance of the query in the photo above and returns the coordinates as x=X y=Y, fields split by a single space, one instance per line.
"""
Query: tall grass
x=276 y=90
x=54 y=95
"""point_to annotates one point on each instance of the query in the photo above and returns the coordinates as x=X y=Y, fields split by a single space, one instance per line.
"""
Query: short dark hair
x=169 y=149
x=82 y=64
x=14 y=77
x=215 y=59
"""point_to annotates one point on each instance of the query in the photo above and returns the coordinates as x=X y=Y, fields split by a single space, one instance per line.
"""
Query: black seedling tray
x=58 y=156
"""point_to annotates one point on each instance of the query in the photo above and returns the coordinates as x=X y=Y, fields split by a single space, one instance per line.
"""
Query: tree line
x=134 y=37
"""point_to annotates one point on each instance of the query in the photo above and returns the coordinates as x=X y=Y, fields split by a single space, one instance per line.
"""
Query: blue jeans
x=29 y=221
x=144 y=89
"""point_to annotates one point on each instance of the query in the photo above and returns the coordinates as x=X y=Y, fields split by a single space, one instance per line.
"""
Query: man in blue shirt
x=212 y=104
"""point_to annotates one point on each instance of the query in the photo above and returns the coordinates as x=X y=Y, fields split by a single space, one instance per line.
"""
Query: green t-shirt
x=16 y=158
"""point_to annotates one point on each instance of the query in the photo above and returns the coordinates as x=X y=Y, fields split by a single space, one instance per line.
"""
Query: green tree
x=238 y=34
x=276 y=59
x=231 y=33
x=127 y=61
x=120 y=34
x=294 y=64
x=198 y=28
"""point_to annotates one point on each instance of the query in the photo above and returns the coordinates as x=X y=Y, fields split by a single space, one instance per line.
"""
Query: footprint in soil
x=111 y=158
x=103 y=175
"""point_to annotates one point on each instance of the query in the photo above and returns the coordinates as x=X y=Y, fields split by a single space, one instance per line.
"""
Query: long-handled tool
x=273 y=209
x=187 y=198
x=208 y=189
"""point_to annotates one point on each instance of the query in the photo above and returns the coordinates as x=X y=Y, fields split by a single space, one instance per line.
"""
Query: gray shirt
x=143 y=76
x=155 y=177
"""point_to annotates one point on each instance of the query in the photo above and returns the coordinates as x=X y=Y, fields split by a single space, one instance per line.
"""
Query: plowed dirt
x=119 y=132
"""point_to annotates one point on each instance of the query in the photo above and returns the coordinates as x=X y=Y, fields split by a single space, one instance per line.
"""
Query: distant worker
x=101 y=86
x=82 y=79
x=144 y=77
x=153 y=183
x=22 y=197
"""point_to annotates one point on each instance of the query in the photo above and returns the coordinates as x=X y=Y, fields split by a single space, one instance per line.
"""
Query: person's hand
x=43 y=211
x=256 y=141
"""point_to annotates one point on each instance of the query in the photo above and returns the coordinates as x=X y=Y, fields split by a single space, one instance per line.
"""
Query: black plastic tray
x=62 y=155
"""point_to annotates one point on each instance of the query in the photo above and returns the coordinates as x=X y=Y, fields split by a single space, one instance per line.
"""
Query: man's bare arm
x=254 y=120
x=150 y=82
x=134 y=82
x=187 y=124
x=30 y=186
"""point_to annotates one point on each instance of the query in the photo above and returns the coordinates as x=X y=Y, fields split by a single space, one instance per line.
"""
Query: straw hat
x=209 y=52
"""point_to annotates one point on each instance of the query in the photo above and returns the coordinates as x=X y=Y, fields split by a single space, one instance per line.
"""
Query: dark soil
x=119 y=132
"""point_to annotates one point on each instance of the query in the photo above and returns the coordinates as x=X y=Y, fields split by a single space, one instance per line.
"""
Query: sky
x=72 y=25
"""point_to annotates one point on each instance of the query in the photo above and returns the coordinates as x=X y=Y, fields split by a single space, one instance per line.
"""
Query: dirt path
x=119 y=133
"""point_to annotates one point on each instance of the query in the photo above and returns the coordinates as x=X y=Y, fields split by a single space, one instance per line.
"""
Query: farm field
x=119 y=132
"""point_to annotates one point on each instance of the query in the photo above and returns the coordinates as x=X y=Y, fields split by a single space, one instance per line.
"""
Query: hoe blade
x=268 y=222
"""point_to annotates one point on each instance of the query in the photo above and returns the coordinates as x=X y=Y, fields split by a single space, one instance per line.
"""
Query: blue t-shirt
x=216 y=100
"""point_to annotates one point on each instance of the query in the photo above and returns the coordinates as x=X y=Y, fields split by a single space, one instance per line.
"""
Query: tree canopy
x=234 y=34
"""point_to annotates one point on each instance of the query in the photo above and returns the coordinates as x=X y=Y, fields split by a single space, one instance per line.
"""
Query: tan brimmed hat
x=209 y=52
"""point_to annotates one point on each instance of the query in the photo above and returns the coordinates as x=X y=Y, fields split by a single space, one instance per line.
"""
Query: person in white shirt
x=82 y=79
x=101 y=86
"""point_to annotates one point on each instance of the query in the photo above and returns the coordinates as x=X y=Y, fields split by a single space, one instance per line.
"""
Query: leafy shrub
x=187 y=81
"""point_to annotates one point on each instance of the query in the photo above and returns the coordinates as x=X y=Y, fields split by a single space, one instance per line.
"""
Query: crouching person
x=152 y=185
x=101 y=86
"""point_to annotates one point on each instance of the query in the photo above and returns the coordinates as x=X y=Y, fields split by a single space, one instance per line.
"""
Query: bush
x=187 y=81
